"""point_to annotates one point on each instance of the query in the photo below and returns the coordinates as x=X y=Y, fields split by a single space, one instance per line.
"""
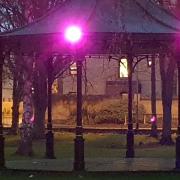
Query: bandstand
x=131 y=28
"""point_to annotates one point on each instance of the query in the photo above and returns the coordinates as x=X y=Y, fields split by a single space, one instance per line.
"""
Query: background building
x=104 y=76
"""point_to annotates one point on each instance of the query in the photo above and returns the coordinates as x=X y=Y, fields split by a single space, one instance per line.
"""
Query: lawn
x=96 y=145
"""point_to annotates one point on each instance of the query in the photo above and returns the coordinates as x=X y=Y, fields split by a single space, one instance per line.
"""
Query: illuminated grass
x=96 y=145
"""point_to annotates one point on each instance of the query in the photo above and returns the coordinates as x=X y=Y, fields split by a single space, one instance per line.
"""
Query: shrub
x=113 y=111
x=99 y=110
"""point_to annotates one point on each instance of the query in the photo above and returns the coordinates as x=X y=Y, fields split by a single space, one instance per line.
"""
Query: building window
x=123 y=68
x=55 y=87
x=175 y=86
x=73 y=69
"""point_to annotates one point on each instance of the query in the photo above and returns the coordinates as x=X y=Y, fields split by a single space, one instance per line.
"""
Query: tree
x=167 y=68
x=177 y=8
x=39 y=97
x=15 y=63
x=25 y=145
x=16 y=14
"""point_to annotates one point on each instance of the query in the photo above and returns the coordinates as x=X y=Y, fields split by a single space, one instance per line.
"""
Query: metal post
x=137 y=100
x=154 y=132
x=2 y=158
x=130 y=133
x=79 y=163
x=178 y=129
x=49 y=134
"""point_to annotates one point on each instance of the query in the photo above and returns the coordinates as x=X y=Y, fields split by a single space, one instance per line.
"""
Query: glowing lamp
x=149 y=63
x=73 y=34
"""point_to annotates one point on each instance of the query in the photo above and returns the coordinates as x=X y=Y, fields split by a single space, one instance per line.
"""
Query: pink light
x=153 y=119
x=32 y=119
x=73 y=34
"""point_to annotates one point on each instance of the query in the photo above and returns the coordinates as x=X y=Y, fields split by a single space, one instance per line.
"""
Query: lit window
x=55 y=87
x=123 y=68
x=73 y=69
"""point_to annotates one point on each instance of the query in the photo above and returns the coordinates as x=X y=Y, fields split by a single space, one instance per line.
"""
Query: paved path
x=98 y=164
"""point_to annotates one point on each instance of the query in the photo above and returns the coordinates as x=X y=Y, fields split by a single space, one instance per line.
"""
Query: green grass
x=96 y=145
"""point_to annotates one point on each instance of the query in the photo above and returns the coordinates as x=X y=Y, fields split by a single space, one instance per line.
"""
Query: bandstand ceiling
x=100 y=20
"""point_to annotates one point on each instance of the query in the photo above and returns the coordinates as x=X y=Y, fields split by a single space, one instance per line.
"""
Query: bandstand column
x=79 y=163
x=130 y=133
x=154 y=132
x=2 y=158
x=49 y=134
x=178 y=129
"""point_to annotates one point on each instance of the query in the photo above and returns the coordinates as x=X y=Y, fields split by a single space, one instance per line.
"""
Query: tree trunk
x=15 y=117
x=15 y=109
x=167 y=67
x=166 y=132
x=39 y=123
x=25 y=145
x=40 y=100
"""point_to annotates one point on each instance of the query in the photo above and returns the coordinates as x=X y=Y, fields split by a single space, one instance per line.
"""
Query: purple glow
x=153 y=119
x=32 y=119
x=73 y=34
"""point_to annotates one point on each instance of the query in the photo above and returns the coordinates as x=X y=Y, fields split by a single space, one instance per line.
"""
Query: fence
x=7 y=119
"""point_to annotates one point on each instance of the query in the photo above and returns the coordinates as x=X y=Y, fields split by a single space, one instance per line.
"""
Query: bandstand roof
x=138 y=17
x=132 y=16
